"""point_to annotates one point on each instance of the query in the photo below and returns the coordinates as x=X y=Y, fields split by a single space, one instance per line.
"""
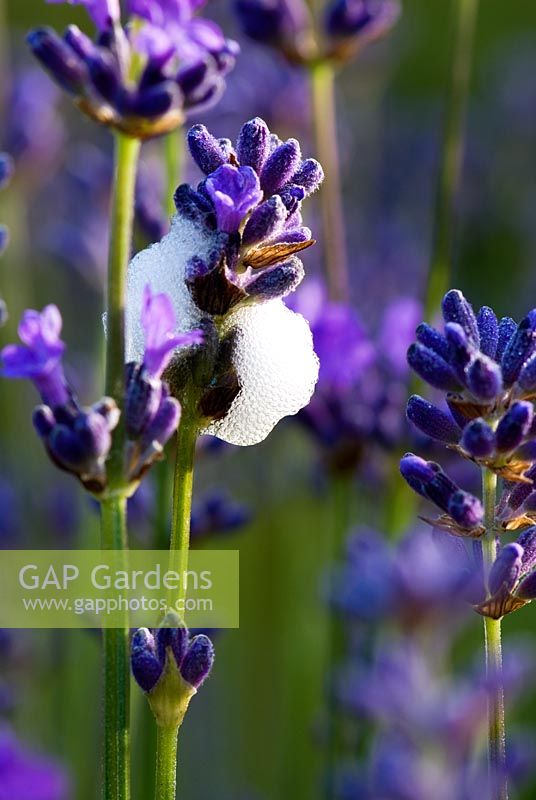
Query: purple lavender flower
x=152 y=416
x=512 y=578
x=234 y=191
x=485 y=367
x=145 y=78
x=170 y=667
x=40 y=356
x=344 y=28
x=77 y=440
x=252 y=198
x=27 y=776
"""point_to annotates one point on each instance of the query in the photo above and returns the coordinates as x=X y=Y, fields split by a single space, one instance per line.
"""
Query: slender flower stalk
x=322 y=75
x=174 y=156
x=114 y=532
x=166 y=763
x=116 y=669
x=492 y=633
x=440 y=274
x=182 y=504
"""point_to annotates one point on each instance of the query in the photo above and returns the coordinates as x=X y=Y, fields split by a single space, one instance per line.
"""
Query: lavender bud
x=146 y=667
x=488 y=329
x=79 y=42
x=142 y=401
x=265 y=221
x=514 y=426
x=253 y=145
x=280 y=167
x=478 y=439
x=43 y=420
x=526 y=589
x=432 y=421
x=527 y=376
x=164 y=423
x=278 y=281
x=440 y=490
x=193 y=206
x=461 y=351
x=527 y=540
x=198 y=661
x=466 y=510
x=416 y=471
x=519 y=349
x=149 y=103
x=205 y=149
x=433 y=340
x=310 y=175
x=58 y=58
x=484 y=378
x=105 y=75
x=505 y=569
x=432 y=368
x=507 y=328
x=457 y=309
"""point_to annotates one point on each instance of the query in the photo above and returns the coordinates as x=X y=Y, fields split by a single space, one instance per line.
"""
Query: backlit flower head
x=145 y=78
x=228 y=260
x=343 y=27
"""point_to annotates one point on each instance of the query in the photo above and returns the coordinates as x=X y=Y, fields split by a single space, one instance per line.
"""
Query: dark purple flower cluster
x=362 y=382
x=251 y=197
x=145 y=78
x=343 y=29
x=170 y=667
x=487 y=369
x=78 y=440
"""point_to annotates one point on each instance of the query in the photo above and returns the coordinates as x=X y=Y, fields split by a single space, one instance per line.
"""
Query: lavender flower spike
x=227 y=262
x=39 y=358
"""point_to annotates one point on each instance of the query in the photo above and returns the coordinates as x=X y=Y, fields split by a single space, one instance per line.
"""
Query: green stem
x=492 y=632
x=325 y=129
x=182 y=506
x=174 y=153
x=116 y=667
x=166 y=763
x=452 y=155
x=127 y=152
x=113 y=508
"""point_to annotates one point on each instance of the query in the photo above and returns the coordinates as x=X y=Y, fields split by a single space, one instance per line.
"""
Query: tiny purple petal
x=235 y=191
x=161 y=339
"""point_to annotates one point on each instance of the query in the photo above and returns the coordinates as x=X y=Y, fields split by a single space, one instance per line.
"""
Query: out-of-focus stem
x=182 y=506
x=439 y=277
x=492 y=631
x=174 y=155
x=325 y=128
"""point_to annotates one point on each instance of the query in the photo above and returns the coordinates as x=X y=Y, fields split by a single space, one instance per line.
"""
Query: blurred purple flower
x=26 y=776
x=215 y=514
